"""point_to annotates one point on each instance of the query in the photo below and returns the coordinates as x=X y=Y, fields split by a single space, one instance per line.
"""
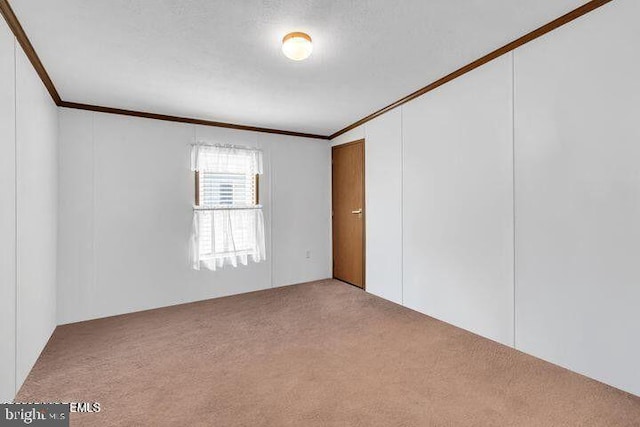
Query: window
x=228 y=225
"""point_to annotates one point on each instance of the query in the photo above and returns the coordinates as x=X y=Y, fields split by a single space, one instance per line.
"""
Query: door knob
x=359 y=211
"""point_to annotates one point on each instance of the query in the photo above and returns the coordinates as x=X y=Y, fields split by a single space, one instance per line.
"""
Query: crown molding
x=21 y=37
x=203 y=122
x=539 y=32
x=27 y=47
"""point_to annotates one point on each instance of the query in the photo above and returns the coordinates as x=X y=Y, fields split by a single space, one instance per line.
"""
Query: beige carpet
x=322 y=353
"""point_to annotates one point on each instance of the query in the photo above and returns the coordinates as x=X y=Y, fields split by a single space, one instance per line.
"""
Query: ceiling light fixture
x=297 y=46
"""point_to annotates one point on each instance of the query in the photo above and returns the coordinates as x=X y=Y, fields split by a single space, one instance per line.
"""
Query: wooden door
x=348 y=213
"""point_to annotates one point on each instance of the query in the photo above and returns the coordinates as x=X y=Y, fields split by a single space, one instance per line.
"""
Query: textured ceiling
x=221 y=60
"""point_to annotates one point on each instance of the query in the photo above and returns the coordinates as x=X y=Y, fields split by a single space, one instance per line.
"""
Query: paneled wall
x=7 y=215
x=521 y=198
x=28 y=214
x=458 y=202
x=578 y=196
x=126 y=197
x=300 y=186
x=37 y=214
x=383 y=203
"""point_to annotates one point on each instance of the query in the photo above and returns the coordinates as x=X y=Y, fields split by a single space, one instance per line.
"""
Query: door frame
x=364 y=213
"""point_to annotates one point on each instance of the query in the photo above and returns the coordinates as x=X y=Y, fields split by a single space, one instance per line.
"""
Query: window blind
x=227 y=190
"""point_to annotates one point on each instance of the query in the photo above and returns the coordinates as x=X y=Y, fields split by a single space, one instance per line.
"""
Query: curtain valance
x=226 y=159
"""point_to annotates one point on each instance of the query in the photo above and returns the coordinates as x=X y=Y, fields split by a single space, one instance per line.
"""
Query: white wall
x=37 y=209
x=300 y=208
x=126 y=197
x=578 y=196
x=7 y=216
x=458 y=202
x=383 y=204
x=28 y=214
x=575 y=97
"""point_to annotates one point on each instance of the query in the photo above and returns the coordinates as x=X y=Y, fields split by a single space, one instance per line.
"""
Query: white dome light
x=297 y=46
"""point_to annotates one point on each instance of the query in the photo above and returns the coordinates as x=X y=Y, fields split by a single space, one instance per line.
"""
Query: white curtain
x=226 y=159
x=226 y=235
